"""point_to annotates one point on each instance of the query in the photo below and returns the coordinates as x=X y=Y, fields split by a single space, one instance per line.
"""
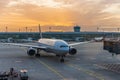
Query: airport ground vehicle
x=3 y=76
x=23 y=75
x=12 y=74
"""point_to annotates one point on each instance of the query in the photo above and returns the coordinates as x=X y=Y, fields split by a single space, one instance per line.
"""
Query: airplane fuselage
x=56 y=46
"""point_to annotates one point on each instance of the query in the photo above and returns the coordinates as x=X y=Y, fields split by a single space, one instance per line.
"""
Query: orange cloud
x=86 y=13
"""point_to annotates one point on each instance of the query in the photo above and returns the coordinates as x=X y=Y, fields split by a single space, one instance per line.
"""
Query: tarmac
x=82 y=66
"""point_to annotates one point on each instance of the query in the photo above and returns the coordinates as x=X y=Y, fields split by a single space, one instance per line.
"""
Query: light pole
x=97 y=29
x=19 y=30
x=6 y=28
x=26 y=28
x=49 y=29
x=118 y=29
x=30 y=30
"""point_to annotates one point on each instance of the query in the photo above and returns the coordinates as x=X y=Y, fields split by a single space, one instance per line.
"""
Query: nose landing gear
x=62 y=59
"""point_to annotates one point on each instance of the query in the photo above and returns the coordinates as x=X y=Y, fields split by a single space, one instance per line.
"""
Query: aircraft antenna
x=40 y=32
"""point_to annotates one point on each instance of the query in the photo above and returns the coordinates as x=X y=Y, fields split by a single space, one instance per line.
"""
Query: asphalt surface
x=82 y=66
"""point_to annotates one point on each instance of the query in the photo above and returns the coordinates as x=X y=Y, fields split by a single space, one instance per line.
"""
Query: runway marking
x=89 y=72
x=52 y=69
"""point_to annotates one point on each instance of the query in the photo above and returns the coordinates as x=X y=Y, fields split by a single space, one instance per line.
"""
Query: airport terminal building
x=68 y=36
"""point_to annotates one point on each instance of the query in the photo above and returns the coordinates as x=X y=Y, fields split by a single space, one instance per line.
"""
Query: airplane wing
x=42 y=47
x=73 y=44
x=25 y=45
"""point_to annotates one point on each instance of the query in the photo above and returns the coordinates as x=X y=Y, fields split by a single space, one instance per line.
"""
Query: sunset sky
x=89 y=14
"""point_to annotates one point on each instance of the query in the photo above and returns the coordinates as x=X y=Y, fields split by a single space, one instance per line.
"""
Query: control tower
x=77 y=28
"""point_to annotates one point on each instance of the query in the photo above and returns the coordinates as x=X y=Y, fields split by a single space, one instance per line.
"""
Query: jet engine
x=72 y=51
x=31 y=51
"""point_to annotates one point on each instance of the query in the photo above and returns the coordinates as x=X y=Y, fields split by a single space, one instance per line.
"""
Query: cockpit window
x=62 y=46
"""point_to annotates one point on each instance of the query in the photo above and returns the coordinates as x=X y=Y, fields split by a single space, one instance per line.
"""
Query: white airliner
x=57 y=46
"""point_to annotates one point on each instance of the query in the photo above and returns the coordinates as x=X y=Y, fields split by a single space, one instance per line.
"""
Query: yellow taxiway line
x=50 y=68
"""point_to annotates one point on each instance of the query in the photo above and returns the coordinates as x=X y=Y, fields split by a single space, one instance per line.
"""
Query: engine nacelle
x=31 y=51
x=72 y=51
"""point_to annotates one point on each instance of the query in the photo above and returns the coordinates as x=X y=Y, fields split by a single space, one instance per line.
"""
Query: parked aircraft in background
x=98 y=39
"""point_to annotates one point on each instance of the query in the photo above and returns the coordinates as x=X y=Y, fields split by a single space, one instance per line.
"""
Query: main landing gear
x=37 y=55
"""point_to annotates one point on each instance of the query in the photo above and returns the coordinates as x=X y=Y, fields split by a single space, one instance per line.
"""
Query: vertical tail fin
x=40 y=32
